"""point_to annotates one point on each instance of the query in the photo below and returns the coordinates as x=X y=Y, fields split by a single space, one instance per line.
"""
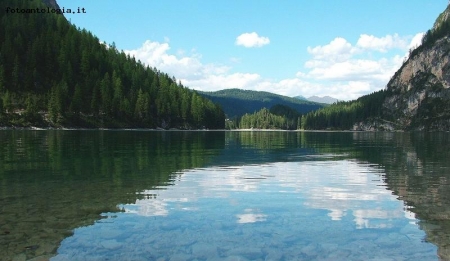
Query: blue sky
x=344 y=49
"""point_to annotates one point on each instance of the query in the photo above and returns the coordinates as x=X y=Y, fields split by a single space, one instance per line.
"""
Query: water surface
x=142 y=195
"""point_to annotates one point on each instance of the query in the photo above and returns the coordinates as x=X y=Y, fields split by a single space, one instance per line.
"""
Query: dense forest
x=342 y=115
x=237 y=102
x=339 y=116
x=55 y=74
x=278 y=117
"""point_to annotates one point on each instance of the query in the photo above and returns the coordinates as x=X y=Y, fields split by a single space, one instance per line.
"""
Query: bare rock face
x=434 y=60
x=419 y=92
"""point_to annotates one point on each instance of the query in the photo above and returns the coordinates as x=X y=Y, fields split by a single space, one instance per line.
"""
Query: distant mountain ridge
x=237 y=102
x=318 y=99
x=324 y=99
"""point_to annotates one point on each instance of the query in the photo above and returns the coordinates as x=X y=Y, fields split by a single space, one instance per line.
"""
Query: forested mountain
x=343 y=115
x=416 y=98
x=54 y=74
x=237 y=102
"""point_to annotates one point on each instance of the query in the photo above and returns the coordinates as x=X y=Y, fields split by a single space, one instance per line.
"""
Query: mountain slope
x=419 y=93
x=237 y=102
x=55 y=75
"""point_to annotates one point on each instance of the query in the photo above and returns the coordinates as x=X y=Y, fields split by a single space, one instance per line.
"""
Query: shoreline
x=32 y=128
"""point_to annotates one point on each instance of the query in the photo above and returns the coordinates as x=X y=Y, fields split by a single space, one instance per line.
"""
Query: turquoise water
x=135 y=195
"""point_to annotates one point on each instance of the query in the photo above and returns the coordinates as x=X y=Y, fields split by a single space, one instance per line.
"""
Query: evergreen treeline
x=343 y=115
x=52 y=73
x=262 y=119
x=266 y=119
x=292 y=117
x=339 y=116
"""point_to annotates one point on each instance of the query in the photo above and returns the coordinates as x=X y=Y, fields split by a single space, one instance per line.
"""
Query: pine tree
x=15 y=74
x=2 y=108
x=77 y=100
x=54 y=105
x=31 y=111
x=106 y=94
x=7 y=103
x=2 y=77
x=142 y=104
x=117 y=95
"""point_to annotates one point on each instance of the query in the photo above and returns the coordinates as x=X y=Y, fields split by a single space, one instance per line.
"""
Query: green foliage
x=2 y=109
x=77 y=100
x=81 y=82
x=32 y=112
x=263 y=119
x=7 y=103
x=236 y=102
x=2 y=83
x=231 y=124
x=343 y=115
x=292 y=117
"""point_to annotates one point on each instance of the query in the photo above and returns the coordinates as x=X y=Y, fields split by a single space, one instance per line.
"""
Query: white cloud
x=357 y=192
x=339 y=69
x=347 y=71
x=184 y=66
x=416 y=41
x=337 y=50
x=215 y=82
x=190 y=70
x=252 y=40
x=382 y=44
x=357 y=69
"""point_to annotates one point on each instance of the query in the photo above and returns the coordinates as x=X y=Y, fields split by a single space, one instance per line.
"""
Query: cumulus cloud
x=337 y=50
x=215 y=82
x=416 y=41
x=382 y=44
x=190 y=70
x=347 y=71
x=251 y=40
x=183 y=66
x=340 y=69
x=345 y=90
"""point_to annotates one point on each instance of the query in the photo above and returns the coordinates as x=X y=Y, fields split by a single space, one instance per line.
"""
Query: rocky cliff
x=419 y=92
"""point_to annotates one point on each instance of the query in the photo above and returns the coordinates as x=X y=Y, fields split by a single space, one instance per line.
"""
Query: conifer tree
x=65 y=71
x=7 y=103
x=2 y=83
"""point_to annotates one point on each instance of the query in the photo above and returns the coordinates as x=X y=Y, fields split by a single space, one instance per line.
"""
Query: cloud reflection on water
x=341 y=187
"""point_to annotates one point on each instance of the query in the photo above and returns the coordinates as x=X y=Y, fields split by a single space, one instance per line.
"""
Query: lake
x=213 y=195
